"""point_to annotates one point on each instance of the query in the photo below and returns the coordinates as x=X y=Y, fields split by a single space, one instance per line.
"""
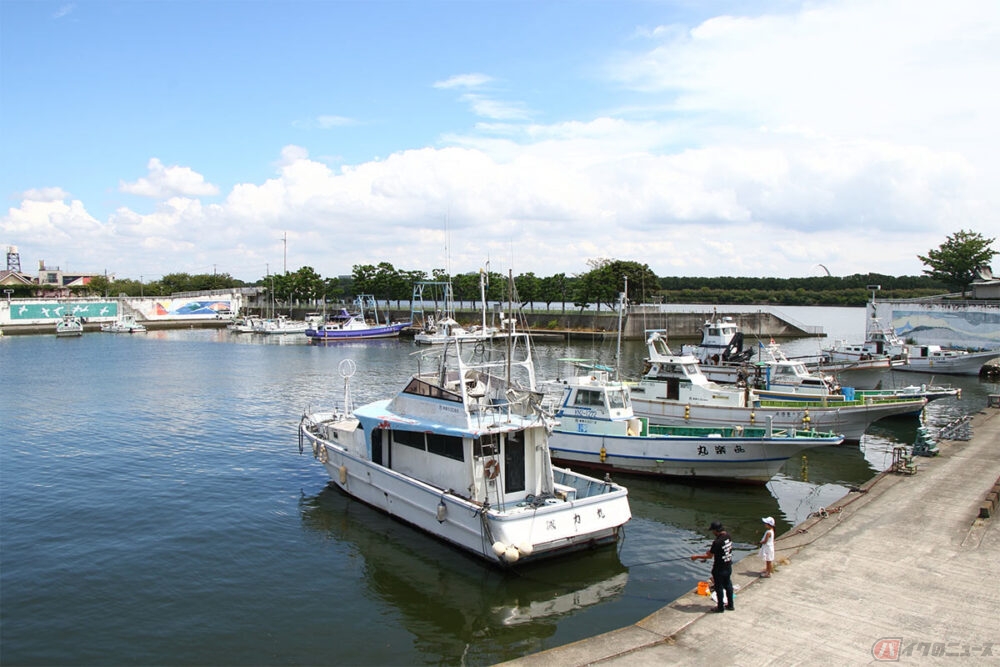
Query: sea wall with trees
x=596 y=289
x=951 y=266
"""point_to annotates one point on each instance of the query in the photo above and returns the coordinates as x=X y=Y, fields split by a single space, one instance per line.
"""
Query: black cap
x=715 y=526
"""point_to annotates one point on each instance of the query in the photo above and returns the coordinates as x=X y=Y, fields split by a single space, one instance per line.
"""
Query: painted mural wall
x=31 y=312
x=42 y=311
x=960 y=324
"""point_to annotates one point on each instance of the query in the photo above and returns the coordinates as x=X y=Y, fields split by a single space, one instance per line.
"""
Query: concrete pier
x=905 y=570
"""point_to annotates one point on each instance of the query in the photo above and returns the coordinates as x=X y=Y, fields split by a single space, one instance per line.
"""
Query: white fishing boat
x=123 y=324
x=440 y=330
x=69 y=326
x=462 y=453
x=673 y=390
x=598 y=429
x=936 y=359
x=721 y=341
x=280 y=325
x=881 y=343
x=242 y=325
x=790 y=380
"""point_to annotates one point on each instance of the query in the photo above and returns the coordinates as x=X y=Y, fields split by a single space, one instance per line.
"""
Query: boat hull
x=850 y=421
x=322 y=335
x=961 y=364
x=754 y=460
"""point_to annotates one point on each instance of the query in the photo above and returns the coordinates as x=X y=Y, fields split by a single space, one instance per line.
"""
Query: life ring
x=491 y=469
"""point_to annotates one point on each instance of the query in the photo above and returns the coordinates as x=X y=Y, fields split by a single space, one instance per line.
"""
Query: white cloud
x=162 y=182
x=45 y=194
x=850 y=134
x=464 y=81
x=328 y=121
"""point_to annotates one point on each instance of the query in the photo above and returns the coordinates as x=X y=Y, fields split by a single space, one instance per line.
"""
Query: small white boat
x=124 y=324
x=69 y=326
x=280 y=325
x=721 y=342
x=462 y=453
x=242 y=325
x=598 y=429
x=790 y=380
x=446 y=328
x=936 y=359
x=881 y=342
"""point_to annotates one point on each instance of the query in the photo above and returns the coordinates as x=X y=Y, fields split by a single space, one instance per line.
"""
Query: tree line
x=951 y=266
x=599 y=288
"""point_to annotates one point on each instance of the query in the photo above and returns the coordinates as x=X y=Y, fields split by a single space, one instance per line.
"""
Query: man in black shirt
x=722 y=568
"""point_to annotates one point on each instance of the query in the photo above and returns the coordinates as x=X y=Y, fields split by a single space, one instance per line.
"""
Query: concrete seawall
x=903 y=570
x=679 y=326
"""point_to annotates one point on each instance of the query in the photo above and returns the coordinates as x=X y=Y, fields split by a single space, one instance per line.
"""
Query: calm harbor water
x=154 y=509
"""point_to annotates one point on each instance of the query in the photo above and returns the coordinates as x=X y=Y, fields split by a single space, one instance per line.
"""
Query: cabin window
x=409 y=438
x=588 y=398
x=420 y=387
x=377 y=447
x=442 y=445
x=446 y=445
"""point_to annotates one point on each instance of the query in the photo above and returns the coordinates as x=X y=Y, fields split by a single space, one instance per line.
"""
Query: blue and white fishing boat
x=462 y=453
x=598 y=429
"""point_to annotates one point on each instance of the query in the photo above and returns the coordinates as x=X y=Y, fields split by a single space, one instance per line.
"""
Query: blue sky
x=702 y=139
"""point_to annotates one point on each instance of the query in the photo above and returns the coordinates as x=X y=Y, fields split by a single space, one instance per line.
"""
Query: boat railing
x=586 y=487
x=870 y=400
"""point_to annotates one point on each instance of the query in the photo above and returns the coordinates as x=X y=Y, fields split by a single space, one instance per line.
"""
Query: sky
x=765 y=138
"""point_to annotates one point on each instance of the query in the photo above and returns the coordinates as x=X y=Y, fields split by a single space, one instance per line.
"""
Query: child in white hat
x=767 y=547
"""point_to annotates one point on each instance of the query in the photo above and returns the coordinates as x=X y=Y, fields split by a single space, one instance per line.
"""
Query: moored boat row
x=469 y=450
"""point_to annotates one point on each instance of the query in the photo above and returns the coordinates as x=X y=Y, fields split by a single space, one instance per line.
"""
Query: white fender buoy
x=525 y=548
x=499 y=548
x=511 y=555
x=442 y=511
x=343 y=474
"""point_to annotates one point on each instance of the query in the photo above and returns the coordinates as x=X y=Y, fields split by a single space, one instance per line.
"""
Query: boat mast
x=482 y=293
x=510 y=309
x=622 y=300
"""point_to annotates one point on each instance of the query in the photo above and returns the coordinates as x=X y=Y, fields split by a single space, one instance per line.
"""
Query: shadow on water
x=456 y=608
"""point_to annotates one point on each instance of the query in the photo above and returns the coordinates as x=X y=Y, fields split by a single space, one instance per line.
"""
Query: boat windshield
x=617 y=399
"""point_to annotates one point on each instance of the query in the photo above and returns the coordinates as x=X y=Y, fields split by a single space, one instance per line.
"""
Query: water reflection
x=455 y=607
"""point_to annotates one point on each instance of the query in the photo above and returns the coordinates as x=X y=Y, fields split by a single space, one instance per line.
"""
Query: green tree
x=554 y=288
x=306 y=284
x=528 y=288
x=955 y=261
x=606 y=280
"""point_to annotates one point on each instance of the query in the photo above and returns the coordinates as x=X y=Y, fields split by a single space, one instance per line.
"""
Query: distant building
x=985 y=286
x=51 y=281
